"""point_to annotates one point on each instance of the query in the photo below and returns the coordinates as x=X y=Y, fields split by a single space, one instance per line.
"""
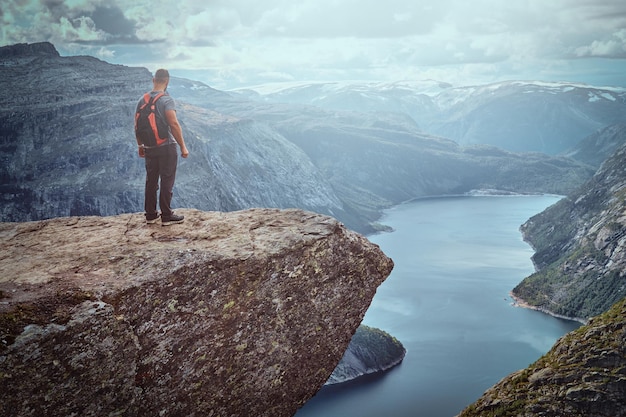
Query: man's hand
x=142 y=151
x=184 y=152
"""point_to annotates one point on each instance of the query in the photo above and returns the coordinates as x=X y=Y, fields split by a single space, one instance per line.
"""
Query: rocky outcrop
x=239 y=314
x=370 y=351
x=580 y=247
x=21 y=50
x=583 y=375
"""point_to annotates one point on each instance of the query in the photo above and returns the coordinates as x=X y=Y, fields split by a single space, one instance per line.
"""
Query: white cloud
x=105 y=54
x=612 y=47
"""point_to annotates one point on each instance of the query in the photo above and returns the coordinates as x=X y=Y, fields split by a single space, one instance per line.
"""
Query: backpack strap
x=148 y=99
x=155 y=98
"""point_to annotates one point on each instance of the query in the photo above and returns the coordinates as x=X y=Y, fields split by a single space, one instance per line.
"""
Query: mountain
x=583 y=375
x=519 y=116
x=580 y=245
x=413 y=98
x=377 y=159
x=528 y=116
x=598 y=146
x=67 y=148
x=67 y=139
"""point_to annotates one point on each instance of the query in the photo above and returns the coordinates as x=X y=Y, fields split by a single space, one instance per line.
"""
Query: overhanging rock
x=228 y=314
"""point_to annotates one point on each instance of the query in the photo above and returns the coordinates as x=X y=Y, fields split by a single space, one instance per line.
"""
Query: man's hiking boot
x=171 y=219
x=151 y=219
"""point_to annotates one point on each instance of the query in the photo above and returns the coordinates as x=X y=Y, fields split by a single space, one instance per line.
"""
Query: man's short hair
x=161 y=75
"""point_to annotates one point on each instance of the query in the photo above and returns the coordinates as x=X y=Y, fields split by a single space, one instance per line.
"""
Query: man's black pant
x=160 y=164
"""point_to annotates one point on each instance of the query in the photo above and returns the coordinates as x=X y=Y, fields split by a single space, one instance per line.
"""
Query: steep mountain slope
x=583 y=375
x=599 y=146
x=67 y=139
x=580 y=245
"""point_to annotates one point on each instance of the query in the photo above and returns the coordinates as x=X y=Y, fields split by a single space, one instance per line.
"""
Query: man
x=161 y=161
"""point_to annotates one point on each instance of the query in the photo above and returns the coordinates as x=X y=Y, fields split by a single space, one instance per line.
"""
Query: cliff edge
x=238 y=314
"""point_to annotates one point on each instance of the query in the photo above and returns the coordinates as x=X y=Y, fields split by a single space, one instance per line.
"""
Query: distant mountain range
x=519 y=116
x=67 y=146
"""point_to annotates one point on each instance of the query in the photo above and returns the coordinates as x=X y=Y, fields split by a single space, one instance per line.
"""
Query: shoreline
x=481 y=192
x=378 y=227
x=519 y=302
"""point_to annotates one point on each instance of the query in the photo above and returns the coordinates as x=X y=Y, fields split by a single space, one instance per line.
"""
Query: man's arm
x=142 y=150
x=177 y=132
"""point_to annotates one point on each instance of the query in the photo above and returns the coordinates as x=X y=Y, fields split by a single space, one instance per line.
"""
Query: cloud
x=112 y=21
x=613 y=47
x=68 y=21
x=328 y=38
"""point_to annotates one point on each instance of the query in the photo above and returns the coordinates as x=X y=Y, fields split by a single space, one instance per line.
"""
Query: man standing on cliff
x=161 y=159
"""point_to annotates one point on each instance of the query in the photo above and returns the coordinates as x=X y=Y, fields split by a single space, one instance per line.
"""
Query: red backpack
x=149 y=128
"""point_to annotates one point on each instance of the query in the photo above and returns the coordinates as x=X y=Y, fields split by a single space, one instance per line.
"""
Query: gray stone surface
x=231 y=314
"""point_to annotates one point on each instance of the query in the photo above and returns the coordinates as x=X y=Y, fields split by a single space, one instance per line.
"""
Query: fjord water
x=447 y=300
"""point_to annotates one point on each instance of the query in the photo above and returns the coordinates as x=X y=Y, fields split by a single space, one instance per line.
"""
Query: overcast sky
x=232 y=43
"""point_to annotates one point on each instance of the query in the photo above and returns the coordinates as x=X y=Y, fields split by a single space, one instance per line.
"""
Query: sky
x=237 y=43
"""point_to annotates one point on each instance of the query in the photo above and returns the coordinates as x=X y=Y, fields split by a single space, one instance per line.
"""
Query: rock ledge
x=230 y=314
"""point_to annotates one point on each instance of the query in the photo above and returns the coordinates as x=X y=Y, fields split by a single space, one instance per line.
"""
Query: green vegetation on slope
x=583 y=375
x=385 y=348
x=580 y=245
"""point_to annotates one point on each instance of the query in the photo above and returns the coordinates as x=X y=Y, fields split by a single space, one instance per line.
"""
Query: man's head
x=161 y=78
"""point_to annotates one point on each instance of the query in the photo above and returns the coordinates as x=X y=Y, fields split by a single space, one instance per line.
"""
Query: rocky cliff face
x=67 y=139
x=580 y=259
x=583 y=375
x=239 y=314
x=370 y=351
x=580 y=245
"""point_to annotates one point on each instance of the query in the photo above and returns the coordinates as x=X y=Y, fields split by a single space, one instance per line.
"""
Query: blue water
x=447 y=300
